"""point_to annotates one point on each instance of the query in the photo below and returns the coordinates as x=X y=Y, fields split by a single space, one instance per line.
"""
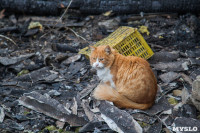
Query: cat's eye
x=101 y=59
x=94 y=58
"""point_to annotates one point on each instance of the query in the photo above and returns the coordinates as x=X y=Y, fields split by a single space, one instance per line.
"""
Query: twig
x=163 y=123
x=78 y=35
x=66 y=10
x=60 y=19
x=155 y=45
x=8 y=39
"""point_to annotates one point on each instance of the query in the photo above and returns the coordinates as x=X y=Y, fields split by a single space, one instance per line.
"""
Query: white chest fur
x=105 y=76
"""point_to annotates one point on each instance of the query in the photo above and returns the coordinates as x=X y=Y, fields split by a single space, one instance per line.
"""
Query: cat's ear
x=108 y=50
x=92 y=48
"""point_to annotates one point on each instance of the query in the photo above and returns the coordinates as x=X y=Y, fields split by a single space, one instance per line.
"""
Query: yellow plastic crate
x=127 y=41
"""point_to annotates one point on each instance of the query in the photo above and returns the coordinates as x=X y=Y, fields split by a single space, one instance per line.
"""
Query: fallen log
x=137 y=6
x=55 y=7
x=37 y=7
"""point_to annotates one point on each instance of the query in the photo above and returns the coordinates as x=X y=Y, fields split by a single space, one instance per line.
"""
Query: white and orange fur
x=127 y=81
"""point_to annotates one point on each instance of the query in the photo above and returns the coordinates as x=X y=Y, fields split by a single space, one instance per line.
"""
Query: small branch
x=78 y=35
x=8 y=39
x=66 y=10
x=164 y=123
x=60 y=19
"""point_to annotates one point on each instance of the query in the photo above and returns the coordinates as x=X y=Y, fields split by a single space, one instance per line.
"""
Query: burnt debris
x=46 y=86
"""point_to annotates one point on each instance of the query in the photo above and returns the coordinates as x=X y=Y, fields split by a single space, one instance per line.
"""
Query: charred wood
x=55 y=7
x=38 y=7
x=9 y=29
x=137 y=6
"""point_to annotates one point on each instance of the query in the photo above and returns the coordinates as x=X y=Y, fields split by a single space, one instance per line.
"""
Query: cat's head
x=101 y=57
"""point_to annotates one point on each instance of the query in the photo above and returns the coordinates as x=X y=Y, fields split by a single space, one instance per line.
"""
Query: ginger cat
x=128 y=82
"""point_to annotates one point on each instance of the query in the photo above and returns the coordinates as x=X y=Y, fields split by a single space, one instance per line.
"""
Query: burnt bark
x=38 y=7
x=54 y=7
x=137 y=6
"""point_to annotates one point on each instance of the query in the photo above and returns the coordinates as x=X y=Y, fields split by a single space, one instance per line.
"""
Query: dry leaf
x=62 y=6
x=33 y=25
x=2 y=13
x=144 y=29
x=108 y=13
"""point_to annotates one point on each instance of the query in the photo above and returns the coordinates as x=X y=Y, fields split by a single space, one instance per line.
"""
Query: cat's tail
x=105 y=92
